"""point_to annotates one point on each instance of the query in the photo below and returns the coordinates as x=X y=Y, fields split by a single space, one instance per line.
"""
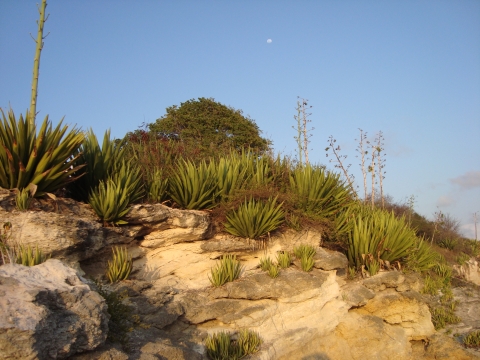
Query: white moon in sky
x=269 y=41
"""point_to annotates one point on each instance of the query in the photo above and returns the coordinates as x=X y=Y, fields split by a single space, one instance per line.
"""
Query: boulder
x=48 y=312
x=469 y=271
x=330 y=260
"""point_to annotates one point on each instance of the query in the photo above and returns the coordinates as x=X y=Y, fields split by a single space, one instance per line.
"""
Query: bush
x=40 y=161
x=121 y=265
x=254 y=219
x=229 y=269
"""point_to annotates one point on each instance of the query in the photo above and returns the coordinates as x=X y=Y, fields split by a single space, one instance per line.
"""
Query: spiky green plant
x=373 y=266
x=23 y=199
x=472 y=339
x=448 y=243
x=284 y=259
x=158 y=186
x=193 y=186
x=248 y=342
x=231 y=175
x=380 y=234
x=228 y=269
x=307 y=262
x=40 y=160
x=30 y=257
x=254 y=219
x=304 y=250
x=421 y=256
x=121 y=265
x=273 y=271
x=318 y=192
x=442 y=316
x=462 y=258
x=265 y=263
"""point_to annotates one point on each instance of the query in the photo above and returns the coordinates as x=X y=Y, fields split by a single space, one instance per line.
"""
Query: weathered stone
x=330 y=260
x=356 y=294
x=383 y=280
x=469 y=271
x=47 y=312
x=404 y=309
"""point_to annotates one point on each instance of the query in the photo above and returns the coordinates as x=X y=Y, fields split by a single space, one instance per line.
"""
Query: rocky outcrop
x=47 y=312
x=469 y=271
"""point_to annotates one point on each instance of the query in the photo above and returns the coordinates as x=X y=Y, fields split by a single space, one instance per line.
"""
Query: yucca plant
x=194 y=187
x=29 y=257
x=304 y=250
x=248 y=342
x=228 y=269
x=421 y=256
x=121 y=265
x=284 y=259
x=231 y=175
x=23 y=199
x=307 y=262
x=265 y=263
x=318 y=192
x=254 y=219
x=380 y=234
x=158 y=186
x=99 y=163
x=273 y=271
x=41 y=161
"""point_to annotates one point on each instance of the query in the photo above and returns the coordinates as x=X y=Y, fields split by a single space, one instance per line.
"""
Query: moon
x=269 y=41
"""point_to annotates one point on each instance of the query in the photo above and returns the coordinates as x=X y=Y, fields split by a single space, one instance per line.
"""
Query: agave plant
x=41 y=161
x=157 y=186
x=319 y=192
x=30 y=257
x=380 y=234
x=121 y=265
x=231 y=175
x=194 y=187
x=228 y=269
x=254 y=219
x=99 y=163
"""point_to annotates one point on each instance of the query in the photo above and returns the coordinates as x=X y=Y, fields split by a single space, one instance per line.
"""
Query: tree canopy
x=210 y=126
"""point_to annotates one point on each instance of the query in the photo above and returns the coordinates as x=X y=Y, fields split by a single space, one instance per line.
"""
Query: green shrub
x=265 y=263
x=307 y=262
x=194 y=187
x=254 y=219
x=39 y=160
x=221 y=346
x=229 y=269
x=421 y=256
x=284 y=259
x=373 y=266
x=304 y=250
x=157 y=186
x=26 y=256
x=121 y=265
x=231 y=174
x=472 y=339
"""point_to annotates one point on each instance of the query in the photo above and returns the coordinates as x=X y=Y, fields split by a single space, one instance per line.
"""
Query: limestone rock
x=330 y=260
x=404 y=309
x=469 y=271
x=356 y=294
x=47 y=312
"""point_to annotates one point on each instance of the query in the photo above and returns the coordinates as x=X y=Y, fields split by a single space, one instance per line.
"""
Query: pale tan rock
x=46 y=311
x=469 y=271
x=403 y=309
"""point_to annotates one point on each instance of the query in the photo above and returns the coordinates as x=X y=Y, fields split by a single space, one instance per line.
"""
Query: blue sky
x=408 y=68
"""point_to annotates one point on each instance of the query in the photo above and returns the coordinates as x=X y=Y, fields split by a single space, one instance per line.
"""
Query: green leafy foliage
x=304 y=250
x=443 y=316
x=273 y=271
x=462 y=258
x=40 y=160
x=211 y=127
x=98 y=163
x=157 y=186
x=307 y=262
x=121 y=265
x=421 y=256
x=23 y=199
x=284 y=259
x=472 y=339
x=222 y=346
x=265 y=263
x=228 y=269
x=448 y=243
x=254 y=219
x=194 y=187
x=30 y=257
x=318 y=192
x=379 y=234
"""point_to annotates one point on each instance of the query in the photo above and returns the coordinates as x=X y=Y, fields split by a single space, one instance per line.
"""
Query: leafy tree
x=210 y=126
